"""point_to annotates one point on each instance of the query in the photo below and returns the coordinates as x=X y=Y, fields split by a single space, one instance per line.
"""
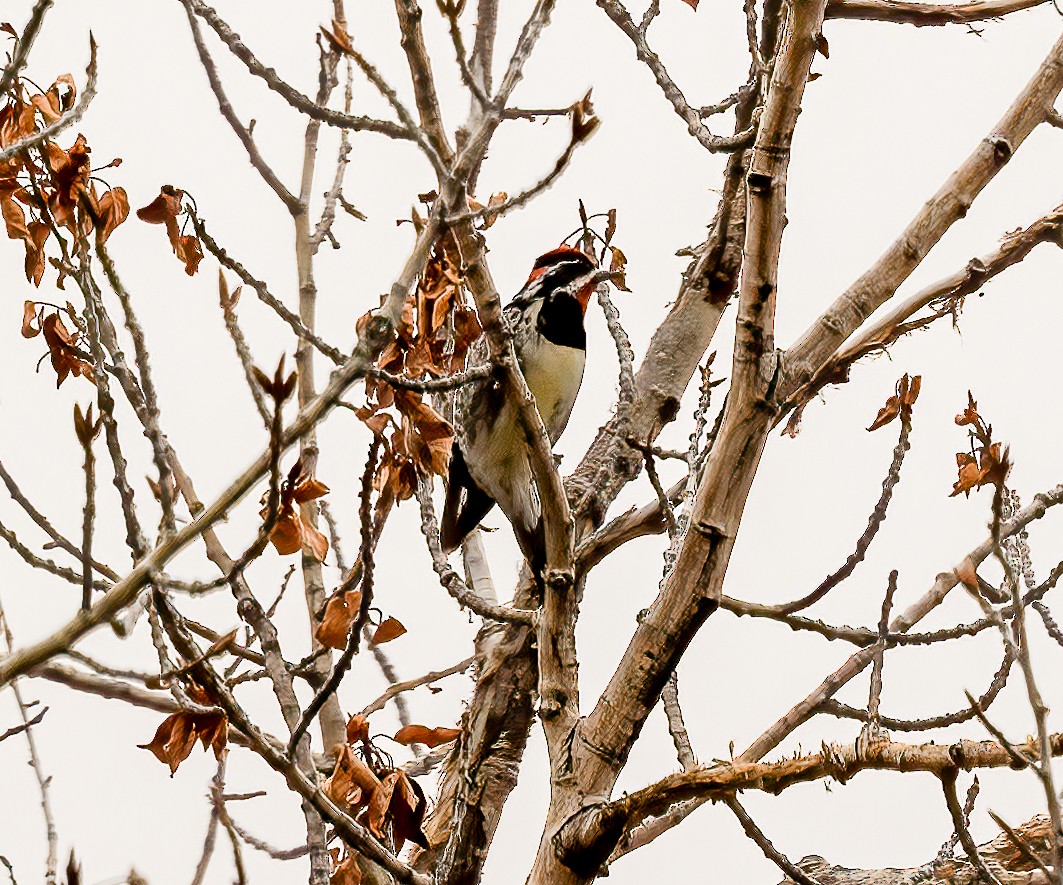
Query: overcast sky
x=895 y=111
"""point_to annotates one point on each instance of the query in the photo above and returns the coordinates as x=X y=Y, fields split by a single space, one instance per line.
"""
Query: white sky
x=895 y=111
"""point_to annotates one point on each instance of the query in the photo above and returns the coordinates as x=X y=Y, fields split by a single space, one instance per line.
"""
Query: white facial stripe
x=564 y=268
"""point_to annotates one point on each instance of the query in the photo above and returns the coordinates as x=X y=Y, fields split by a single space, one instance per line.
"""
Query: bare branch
x=25 y=44
x=924 y=14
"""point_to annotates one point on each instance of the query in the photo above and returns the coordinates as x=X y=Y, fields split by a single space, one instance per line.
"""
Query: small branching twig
x=959 y=823
x=343 y=662
x=875 y=696
x=449 y=578
x=878 y=516
x=87 y=427
x=24 y=44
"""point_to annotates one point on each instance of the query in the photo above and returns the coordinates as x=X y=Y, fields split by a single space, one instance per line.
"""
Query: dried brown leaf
x=390 y=629
x=422 y=734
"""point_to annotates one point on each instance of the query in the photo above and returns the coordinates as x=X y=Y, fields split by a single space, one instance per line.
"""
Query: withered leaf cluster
x=900 y=403
x=987 y=463
x=178 y=733
x=432 y=340
x=367 y=786
x=47 y=189
x=66 y=356
x=165 y=209
x=290 y=533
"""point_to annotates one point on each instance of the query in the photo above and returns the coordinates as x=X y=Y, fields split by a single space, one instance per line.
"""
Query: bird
x=489 y=459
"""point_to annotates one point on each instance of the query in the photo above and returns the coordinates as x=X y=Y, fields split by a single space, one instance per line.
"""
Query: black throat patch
x=560 y=321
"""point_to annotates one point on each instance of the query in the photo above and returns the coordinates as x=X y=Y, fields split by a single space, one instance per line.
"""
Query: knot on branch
x=553 y=702
x=1002 y=149
x=584 y=842
x=377 y=332
x=559 y=579
x=759 y=183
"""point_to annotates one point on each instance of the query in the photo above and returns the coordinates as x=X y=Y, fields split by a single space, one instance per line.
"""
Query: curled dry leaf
x=346 y=871
x=969 y=417
x=338 y=38
x=113 y=210
x=618 y=268
x=398 y=804
x=31 y=327
x=62 y=347
x=291 y=533
x=584 y=121
x=340 y=613
x=358 y=729
x=907 y=392
x=392 y=628
x=379 y=796
x=422 y=734
x=165 y=209
x=433 y=337
x=179 y=731
x=352 y=782
x=989 y=467
x=279 y=387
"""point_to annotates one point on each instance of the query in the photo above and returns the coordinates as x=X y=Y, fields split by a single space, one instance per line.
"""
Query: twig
x=334 y=194
x=449 y=578
x=676 y=726
x=43 y=782
x=292 y=96
x=875 y=695
x=959 y=823
x=399 y=687
x=343 y=663
x=714 y=143
x=1021 y=845
x=263 y=293
x=874 y=523
x=25 y=726
x=260 y=845
x=243 y=352
x=25 y=44
x=624 y=353
x=212 y=832
x=923 y=14
x=526 y=196
x=772 y=853
x=42 y=521
x=243 y=133
x=432 y=385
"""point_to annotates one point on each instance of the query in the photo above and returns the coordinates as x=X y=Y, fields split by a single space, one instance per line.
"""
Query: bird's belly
x=554 y=374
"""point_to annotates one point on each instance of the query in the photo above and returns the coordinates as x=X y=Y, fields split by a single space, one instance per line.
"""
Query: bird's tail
x=465 y=505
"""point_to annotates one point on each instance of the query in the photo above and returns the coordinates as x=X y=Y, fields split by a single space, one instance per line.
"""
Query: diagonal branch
x=951 y=203
x=924 y=14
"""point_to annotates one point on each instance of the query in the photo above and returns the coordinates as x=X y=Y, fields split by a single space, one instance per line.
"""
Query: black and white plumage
x=489 y=463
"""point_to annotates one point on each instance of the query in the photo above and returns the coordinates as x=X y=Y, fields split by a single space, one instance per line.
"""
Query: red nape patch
x=562 y=253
